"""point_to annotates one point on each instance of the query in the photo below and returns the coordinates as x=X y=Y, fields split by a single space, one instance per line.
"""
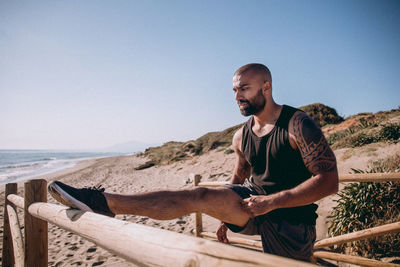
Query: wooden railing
x=142 y=245
x=359 y=235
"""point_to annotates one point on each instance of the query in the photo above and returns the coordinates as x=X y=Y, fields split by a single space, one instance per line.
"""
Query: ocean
x=18 y=165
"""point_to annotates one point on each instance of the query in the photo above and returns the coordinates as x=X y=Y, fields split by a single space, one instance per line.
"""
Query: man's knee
x=201 y=193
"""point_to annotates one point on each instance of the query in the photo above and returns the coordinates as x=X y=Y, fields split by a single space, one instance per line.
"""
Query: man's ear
x=267 y=85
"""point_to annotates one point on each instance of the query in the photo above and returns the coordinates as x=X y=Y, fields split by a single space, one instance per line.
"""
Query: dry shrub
x=365 y=205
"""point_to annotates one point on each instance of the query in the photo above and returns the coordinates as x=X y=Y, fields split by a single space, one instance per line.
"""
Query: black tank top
x=276 y=166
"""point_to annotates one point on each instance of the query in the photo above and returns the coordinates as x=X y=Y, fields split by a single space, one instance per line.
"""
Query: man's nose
x=239 y=95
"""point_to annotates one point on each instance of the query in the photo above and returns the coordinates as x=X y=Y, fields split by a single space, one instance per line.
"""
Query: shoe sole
x=63 y=197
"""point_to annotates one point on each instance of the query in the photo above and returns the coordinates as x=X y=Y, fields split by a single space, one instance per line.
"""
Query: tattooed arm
x=319 y=159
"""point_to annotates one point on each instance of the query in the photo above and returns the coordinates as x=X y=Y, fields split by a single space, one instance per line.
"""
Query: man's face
x=248 y=88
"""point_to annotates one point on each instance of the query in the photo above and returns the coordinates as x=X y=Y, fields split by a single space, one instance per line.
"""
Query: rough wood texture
x=352 y=259
x=363 y=234
x=36 y=235
x=197 y=216
x=149 y=246
x=8 y=251
x=16 y=200
x=370 y=177
x=16 y=234
x=236 y=240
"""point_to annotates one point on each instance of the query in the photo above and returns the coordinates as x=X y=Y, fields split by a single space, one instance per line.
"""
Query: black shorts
x=279 y=237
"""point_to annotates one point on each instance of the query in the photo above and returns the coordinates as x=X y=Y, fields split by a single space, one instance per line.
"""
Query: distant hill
x=356 y=130
x=322 y=114
x=176 y=151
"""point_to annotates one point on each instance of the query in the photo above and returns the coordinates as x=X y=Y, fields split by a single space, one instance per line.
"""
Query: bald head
x=256 y=68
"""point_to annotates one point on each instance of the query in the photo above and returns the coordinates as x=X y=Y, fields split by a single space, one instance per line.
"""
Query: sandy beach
x=117 y=174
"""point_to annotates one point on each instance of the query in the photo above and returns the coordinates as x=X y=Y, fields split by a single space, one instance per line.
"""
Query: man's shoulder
x=238 y=134
x=237 y=138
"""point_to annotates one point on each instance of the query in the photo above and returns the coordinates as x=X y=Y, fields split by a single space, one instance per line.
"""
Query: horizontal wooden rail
x=352 y=259
x=145 y=245
x=363 y=234
x=16 y=200
x=356 y=177
x=370 y=177
x=235 y=240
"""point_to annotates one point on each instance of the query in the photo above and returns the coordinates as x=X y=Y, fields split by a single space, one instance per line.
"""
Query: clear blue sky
x=89 y=74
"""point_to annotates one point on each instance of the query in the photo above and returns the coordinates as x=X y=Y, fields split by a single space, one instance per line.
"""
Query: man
x=283 y=165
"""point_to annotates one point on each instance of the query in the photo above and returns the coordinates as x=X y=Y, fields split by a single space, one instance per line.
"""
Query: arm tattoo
x=317 y=155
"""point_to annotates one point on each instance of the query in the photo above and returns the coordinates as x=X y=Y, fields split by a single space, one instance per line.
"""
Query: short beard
x=255 y=105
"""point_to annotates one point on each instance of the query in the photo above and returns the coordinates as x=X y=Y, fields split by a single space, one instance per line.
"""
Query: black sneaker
x=86 y=199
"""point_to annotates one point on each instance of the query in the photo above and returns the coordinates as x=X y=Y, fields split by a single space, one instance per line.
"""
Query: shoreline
x=70 y=164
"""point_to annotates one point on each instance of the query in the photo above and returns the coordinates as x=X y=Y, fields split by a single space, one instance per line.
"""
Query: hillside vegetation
x=354 y=131
x=365 y=128
x=323 y=115
x=366 y=205
x=176 y=151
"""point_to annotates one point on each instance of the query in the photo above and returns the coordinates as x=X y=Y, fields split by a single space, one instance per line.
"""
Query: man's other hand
x=257 y=205
x=221 y=233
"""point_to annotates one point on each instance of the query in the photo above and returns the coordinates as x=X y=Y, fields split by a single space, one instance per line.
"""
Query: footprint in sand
x=144 y=219
x=73 y=248
x=92 y=249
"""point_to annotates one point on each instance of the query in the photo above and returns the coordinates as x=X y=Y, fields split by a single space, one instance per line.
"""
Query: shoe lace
x=98 y=188
x=93 y=194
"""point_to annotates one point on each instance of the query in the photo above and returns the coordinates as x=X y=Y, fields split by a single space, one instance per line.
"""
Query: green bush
x=364 y=139
x=365 y=205
x=339 y=135
x=390 y=132
x=322 y=114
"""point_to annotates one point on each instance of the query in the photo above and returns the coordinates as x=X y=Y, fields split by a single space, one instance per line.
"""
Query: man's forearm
x=306 y=193
x=313 y=189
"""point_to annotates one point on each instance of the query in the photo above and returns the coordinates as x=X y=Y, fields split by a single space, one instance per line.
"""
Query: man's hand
x=221 y=233
x=257 y=205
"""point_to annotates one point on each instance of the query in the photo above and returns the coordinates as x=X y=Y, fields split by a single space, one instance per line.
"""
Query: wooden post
x=197 y=217
x=8 y=251
x=18 y=241
x=36 y=244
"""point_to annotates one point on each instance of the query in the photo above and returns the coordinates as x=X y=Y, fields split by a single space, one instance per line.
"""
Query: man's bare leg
x=221 y=203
